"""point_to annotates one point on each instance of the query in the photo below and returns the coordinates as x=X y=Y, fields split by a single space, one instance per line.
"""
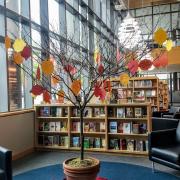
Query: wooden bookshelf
x=97 y=127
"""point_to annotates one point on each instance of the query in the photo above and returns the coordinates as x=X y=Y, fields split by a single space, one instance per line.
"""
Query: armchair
x=5 y=164
x=164 y=147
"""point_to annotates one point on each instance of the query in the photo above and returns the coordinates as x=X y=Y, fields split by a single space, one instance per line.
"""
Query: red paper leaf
x=37 y=90
x=26 y=53
x=97 y=90
x=100 y=69
x=133 y=66
x=69 y=68
x=107 y=85
x=46 y=96
x=38 y=73
x=161 y=61
x=102 y=94
x=145 y=64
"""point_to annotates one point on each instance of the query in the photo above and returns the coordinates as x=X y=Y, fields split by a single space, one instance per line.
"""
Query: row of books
x=128 y=144
x=54 y=140
x=89 y=142
x=143 y=83
x=90 y=112
x=128 y=112
x=89 y=126
x=127 y=127
x=53 y=111
x=116 y=84
x=59 y=126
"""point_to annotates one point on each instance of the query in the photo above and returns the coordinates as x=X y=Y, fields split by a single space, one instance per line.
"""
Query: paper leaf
x=19 y=45
x=26 y=53
x=38 y=73
x=7 y=42
x=118 y=55
x=46 y=96
x=160 y=36
x=133 y=66
x=102 y=94
x=107 y=85
x=100 y=69
x=37 y=90
x=18 y=59
x=47 y=67
x=97 y=90
x=76 y=87
x=169 y=45
x=69 y=68
x=124 y=79
x=145 y=64
x=161 y=61
x=97 y=56
x=55 y=79
x=60 y=96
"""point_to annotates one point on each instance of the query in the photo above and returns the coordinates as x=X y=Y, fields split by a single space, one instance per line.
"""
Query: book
x=75 y=141
x=139 y=96
x=139 y=145
x=58 y=126
x=75 y=112
x=122 y=94
x=76 y=126
x=102 y=126
x=86 y=126
x=46 y=126
x=123 y=145
x=113 y=127
x=129 y=112
x=120 y=127
x=137 y=112
x=63 y=126
x=96 y=112
x=120 y=112
x=102 y=112
x=48 y=140
x=135 y=128
x=103 y=142
x=126 y=127
x=41 y=126
x=142 y=128
x=56 y=140
x=92 y=127
x=66 y=141
x=53 y=111
x=52 y=126
x=97 y=143
x=91 y=142
x=58 y=112
x=45 y=111
x=114 y=96
x=130 y=144
x=86 y=143
x=114 y=144
x=88 y=112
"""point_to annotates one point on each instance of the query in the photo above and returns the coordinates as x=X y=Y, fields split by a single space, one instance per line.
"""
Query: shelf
x=129 y=104
x=51 y=147
x=89 y=149
x=74 y=132
x=89 y=118
x=53 y=132
x=125 y=134
x=128 y=152
x=131 y=119
x=43 y=117
x=153 y=87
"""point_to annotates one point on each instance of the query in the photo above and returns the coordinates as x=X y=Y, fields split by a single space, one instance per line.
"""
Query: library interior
x=90 y=89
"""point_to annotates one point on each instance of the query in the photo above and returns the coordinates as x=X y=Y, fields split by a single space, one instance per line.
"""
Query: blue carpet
x=112 y=171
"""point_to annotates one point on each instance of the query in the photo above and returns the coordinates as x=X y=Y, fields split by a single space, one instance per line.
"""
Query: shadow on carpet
x=112 y=171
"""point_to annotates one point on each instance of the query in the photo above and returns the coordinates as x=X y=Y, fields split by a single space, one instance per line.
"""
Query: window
x=35 y=10
x=2 y=25
x=2 y=2
x=12 y=28
x=36 y=38
x=3 y=80
x=62 y=12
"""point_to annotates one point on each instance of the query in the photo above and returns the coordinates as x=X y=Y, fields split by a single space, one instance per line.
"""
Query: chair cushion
x=2 y=174
x=171 y=153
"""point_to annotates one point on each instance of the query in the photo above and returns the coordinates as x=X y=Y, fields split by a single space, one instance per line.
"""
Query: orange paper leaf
x=145 y=64
x=46 y=97
x=76 y=87
x=55 y=79
x=160 y=36
x=47 y=67
x=7 y=42
x=60 y=96
x=161 y=61
x=124 y=79
x=18 y=59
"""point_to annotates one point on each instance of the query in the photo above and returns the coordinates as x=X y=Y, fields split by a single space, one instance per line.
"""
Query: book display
x=141 y=90
x=107 y=128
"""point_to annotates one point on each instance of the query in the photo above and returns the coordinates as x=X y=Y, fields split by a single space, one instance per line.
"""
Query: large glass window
x=2 y=25
x=35 y=10
x=2 y=2
x=3 y=80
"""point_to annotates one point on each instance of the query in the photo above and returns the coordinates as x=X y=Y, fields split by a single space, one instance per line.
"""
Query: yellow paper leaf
x=169 y=45
x=55 y=79
x=19 y=45
x=124 y=79
x=76 y=87
x=47 y=67
x=18 y=59
x=160 y=36
x=96 y=55
x=7 y=42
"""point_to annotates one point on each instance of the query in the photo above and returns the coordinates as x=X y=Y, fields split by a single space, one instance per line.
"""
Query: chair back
x=178 y=133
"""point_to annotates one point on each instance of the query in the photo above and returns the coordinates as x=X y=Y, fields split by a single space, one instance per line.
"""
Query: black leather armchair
x=5 y=164
x=164 y=147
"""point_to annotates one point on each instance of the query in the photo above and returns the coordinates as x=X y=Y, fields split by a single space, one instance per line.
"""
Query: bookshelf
x=139 y=90
x=105 y=126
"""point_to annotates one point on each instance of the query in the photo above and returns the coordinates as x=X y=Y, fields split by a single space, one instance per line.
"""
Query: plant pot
x=81 y=173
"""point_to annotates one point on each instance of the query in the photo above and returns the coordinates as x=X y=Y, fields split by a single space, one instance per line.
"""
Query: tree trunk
x=81 y=134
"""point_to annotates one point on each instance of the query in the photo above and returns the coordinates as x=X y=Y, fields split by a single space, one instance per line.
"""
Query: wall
x=17 y=132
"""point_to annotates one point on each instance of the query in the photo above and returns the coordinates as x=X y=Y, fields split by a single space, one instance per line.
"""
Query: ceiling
x=143 y=3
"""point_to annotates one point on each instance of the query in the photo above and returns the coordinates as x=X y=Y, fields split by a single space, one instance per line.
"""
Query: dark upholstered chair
x=5 y=164
x=164 y=145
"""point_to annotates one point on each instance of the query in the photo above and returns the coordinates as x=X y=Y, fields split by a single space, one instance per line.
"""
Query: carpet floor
x=109 y=170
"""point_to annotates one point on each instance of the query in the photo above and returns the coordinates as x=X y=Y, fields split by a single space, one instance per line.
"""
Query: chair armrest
x=162 y=138
x=6 y=162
